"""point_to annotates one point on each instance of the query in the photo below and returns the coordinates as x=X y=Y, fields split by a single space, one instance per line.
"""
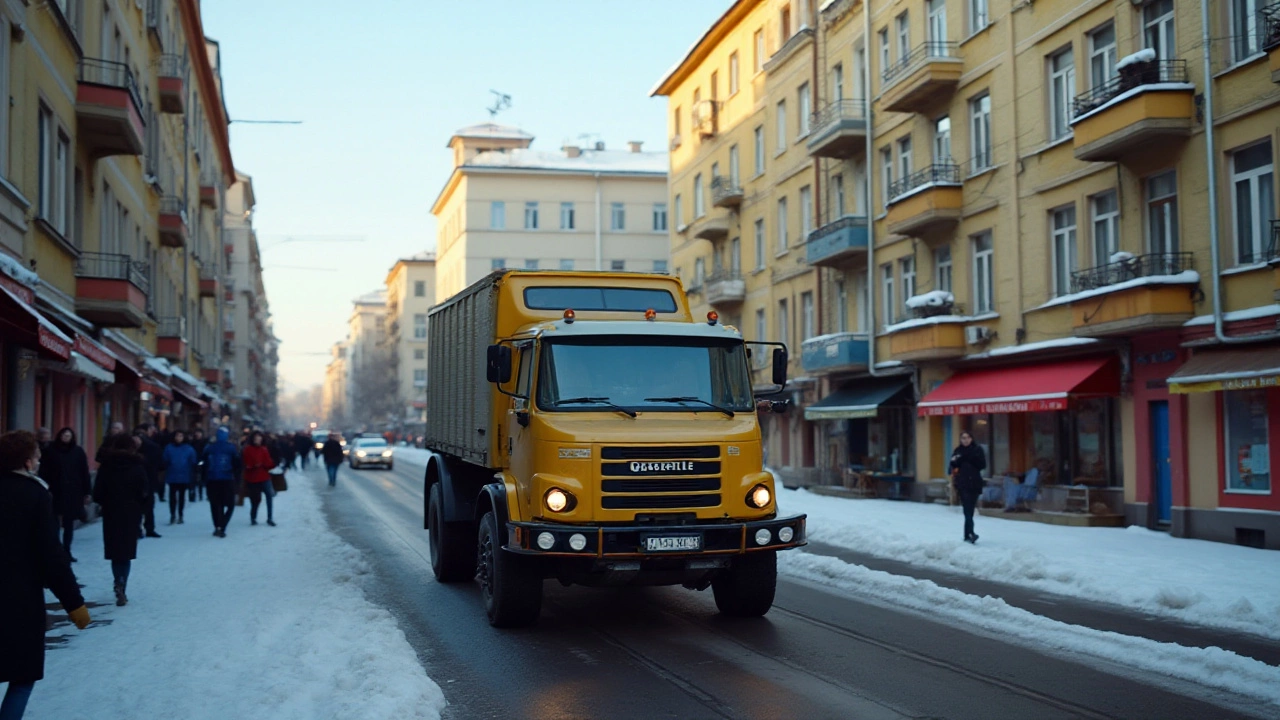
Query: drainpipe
x=871 y=175
x=599 y=220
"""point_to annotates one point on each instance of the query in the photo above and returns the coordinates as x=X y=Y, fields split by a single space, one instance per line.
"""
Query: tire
x=452 y=554
x=509 y=585
x=746 y=589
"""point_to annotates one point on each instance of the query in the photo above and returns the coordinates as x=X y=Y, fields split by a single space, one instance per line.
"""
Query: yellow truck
x=584 y=427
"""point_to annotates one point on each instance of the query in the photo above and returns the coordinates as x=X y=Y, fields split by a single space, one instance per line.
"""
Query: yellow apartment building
x=411 y=293
x=1047 y=224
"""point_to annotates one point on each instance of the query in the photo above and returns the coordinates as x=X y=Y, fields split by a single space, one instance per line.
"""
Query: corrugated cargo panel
x=459 y=397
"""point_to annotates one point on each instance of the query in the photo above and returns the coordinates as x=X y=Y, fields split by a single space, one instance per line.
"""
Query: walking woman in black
x=65 y=469
x=967 y=463
x=122 y=490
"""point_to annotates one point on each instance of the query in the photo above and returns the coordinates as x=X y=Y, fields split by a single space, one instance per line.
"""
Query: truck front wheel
x=512 y=590
x=452 y=554
x=746 y=589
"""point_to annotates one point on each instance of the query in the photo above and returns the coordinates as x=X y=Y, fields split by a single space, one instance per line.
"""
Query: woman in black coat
x=30 y=560
x=122 y=491
x=65 y=469
x=967 y=463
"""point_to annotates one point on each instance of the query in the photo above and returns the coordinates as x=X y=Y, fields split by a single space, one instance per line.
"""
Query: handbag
x=278 y=483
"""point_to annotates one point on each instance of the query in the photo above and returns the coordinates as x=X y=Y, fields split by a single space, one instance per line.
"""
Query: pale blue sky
x=380 y=85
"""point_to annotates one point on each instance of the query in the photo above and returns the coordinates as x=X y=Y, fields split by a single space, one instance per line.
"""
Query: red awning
x=1029 y=388
x=30 y=326
x=156 y=388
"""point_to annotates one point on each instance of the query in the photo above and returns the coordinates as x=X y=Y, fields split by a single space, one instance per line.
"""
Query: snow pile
x=937 y=298
x=1034 y=347
x=1121 y=256
x=1195 y=581
x=270 y=623
x=1212 y=667
x=1186 y=277
x=921 y=322
x=14 y=269
x=1145 y=55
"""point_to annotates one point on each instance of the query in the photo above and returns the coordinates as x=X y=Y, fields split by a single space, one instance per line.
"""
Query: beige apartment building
x=334 y=393
x=507 y=205
x=1049 y=225
x=411 y=293
x=249 y=342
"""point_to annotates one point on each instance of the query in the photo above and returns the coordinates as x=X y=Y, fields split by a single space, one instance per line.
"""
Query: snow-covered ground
x=1195 y=581
x=270 y=622
x=413 y=456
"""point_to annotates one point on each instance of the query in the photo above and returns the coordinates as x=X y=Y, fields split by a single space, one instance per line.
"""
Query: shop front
x=868 y=427
x=27 y=338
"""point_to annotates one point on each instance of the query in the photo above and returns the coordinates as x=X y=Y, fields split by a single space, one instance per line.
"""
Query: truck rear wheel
x=746 y=589
x=512 y=591
x=452 y=554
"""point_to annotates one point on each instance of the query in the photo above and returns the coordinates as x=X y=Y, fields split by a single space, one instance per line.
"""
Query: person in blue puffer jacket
x=221 y=470
x=178 y=462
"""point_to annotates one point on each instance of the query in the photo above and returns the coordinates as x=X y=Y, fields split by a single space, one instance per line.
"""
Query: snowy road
x=825 y=651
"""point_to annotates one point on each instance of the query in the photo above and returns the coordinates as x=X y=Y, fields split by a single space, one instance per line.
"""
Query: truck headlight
x=577 y=541
x=763 y=536
x=558 y=501
x=785 y=534
x=759 y=496
x=546 y=540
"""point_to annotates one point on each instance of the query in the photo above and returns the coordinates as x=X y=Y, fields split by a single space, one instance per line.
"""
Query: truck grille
x=649 y=502
x=650 y=475
x=661 y=486
x=697 y=452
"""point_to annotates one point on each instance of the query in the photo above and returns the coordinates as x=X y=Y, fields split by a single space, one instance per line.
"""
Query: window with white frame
x=859 y=79
x=886 y=171
x=885 y=62
x=1247 y=439
x=735 y=256
x=808 y=328
x=1064 y=248
x=983 y=279
x=699 y=200
x=566 y=264
x=733 y=73
x=805 y=103
x=784 y=24
x=419 y=354
x=760 y=243
x=862 y=296
x=980 y=132
x=566 y=216
x=1162 y=213
x=617 y=265
x=904 y=157
x=419 y=288
x=942 y=268
x=936 y=25
x=1246 y=28
x=419 y=377
x=907 y=271
x=54 y=160
x=1102 y=55
x=806 y=212
x=782 y=224
x=659 y=217
x=978 y=15
x=859 y=187
x=531 y=215
x=903 y=29
x=842 y=307
x=759 y=138
x=837 y=195
x=1105 y=211
x=679 y=211
x=1252 y=201
x=659 y=266
x=837 y=82
x=762 y=332
x=1157 y=29
x=420 y=326
x=531 y=264
x=735 y=179
x=1062 y=87
x=617 y=216
x=942 y=140
x=784 y=326
x=890 y=301
x=498 y=264
x=780 y=119
x=757 y=60
x=699 y=272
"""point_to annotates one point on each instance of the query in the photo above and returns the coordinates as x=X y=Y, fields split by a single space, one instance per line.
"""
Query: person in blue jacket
x=222 y=467
x=179 y=465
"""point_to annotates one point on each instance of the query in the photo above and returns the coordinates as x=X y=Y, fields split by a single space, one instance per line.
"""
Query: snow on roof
x=1033 y=347
x=921 y=322
x=376 y=297
x=936 y=298
x=160 y=365
x=11 y=267
x=1150 y=87
x=1185 y=277
x=1144 y=55
x=424 y=256
x=1254 y=313
x=493 y=130
x=618 y=161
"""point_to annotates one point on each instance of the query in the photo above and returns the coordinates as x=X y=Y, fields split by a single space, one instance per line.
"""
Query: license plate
x=669 y=543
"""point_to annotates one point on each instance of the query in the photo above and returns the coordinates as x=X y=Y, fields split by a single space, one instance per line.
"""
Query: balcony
x=108 y=109
x=111 y=289
x=725 y=288
x=1135 y=293
x=208 y=283
x=171 y=338
x=841 y=352
x=922 y=80
x=725 y=193
x=710 y=227
x=1149 y=104
x=173 y=222
x=172 y=84
x=840 y=130
x=1271 y=38
x=837 y=242
x=926 y=201
x=209 y=189
x=934 y=338
x=211 y=375
x=705 y=118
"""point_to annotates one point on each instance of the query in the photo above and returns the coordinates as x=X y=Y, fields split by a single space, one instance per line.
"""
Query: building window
x=936 y=24
x=780 y=117
x=675 y=127
x=842 y=307
x=903 y=28
x=420 y=326
x=1252 y=200
x=735 y=256
x=757 y=60
x=759 y=234
x=1106 y=226
x=806 y=212
x=1245 y=35
x=1102 y=55
x=733 y=73
x=699 y=272
x=699 y=201
x=419 y=377
x=759 y=150
x=837 y=82
x=617 y=216
x=419 y=288
x=1162 y=213
x=531 y=264
x=497 y=215
x=531 y=216
x=784 y=327
x=890 y=304
x=6 y=66
x=784 y=25
x=907 y=270
x=660 y=267
x=983 y=285
x=1247 y=441
x=762 y=332
x=566 y=264
x=659 y=217
x=942 y=269
x=980 y=132
x=734 y=176
x=904 y=157
x=807 y=315
x=862 y=296
x=679 y=210
x=498 y=264
x=782 y=224
x=1062 y=88
x=566 y=216
x=419 y=354
x=886 y=171
x=1157 y=29
x=54 y=173
x=837 y=195
x=942 y=140
x=884 y=50
x=1064 y=248
x=620 y=265
x=978 y=17
x=805 y=109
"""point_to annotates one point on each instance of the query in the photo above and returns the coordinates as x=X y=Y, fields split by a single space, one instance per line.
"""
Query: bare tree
x=376 y=386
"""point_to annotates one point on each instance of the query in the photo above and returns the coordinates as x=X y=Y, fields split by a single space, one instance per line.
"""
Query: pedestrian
x=44 y=438
x=121 y=489
x=302 y=445
x=30 y=560
x=967 y=463
x=198 y=442
x=65 y=469
x=221 y=467
x=179 y=465
x=152 y=454
x=332 y=452
x=116 y=428
x=258 y=464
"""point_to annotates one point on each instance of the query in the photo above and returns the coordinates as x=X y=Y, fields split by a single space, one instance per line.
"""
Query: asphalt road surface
x=666 y=653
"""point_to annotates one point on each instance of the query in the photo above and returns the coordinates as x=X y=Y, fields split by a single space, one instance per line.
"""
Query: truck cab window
x=524 y=378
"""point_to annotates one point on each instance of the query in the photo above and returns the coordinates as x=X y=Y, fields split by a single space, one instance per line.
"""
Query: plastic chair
x=1029 y=490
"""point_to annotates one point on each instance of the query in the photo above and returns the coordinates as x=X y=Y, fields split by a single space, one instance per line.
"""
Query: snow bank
x=268 y=623
x=1212 y=667
x=936 y=298
x=1195 y=581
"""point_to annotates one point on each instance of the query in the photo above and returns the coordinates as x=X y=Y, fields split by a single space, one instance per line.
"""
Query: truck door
x=519 y=441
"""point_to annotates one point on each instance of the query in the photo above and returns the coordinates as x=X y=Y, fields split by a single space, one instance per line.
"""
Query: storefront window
x=1248 y=453
x=991 y=433
x=890 y=440
x=1044 y=446
x=1092 y=464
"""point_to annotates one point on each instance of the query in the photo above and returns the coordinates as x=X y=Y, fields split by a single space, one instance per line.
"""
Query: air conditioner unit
x=977 y=334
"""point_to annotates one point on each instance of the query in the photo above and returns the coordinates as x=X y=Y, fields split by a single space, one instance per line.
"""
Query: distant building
x=411 y=291
x=249 y=342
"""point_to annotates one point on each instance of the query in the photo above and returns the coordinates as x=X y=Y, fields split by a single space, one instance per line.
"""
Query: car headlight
x=759 y=496
x=319 y=446
x=361 y=453
x=558 y=501
x=386 y=453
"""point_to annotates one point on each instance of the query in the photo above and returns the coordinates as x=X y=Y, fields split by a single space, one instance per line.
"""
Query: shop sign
x=20 y=291
x=94 y=352
x=1250 y=383
x=1000 y=406
x=54 y=344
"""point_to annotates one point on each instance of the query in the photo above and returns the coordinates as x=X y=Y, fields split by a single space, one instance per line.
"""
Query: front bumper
x=619 y=541
x=366 y=461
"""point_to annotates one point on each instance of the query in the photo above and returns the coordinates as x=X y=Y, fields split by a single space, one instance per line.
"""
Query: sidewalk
x=266 y=623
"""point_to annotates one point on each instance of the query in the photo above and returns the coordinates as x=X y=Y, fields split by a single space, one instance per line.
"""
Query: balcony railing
x=942 y=174
x=1139 y=266
x=1270 y=26
x=113 y=266
x=724 y=191
x=110 y=74
x=175 y=327
x=917 y=57
x=838 y=111
x=173 y=205
x=171 y=65
x=1133 y=76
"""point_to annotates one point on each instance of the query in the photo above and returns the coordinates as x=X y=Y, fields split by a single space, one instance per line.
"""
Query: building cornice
x=703 y=47
x=213 y=105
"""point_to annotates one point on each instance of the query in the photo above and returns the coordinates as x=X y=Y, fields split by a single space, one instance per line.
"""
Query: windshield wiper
x=684 y=399
x=599 y=400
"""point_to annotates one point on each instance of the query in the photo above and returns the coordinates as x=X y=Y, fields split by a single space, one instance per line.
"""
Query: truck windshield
x=626 y=371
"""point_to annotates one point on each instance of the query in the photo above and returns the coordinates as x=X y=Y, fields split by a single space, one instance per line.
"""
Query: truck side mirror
x=498 y=367
x=779 y=366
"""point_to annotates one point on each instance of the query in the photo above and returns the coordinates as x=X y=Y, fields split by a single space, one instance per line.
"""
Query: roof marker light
x=569 y=316
x=713 y=317
x=650 y=314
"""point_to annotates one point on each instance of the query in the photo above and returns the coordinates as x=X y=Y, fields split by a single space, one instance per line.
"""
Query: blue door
x=1162 y=474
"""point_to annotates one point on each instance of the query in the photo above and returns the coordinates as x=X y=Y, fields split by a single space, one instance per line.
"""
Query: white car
x=366 y=451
